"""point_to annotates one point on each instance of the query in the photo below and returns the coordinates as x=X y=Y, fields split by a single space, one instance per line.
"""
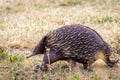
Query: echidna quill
x=73 y=42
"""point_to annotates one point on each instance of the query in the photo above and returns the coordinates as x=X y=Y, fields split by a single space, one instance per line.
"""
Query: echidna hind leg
x=110 y=63
x=85 y=66
x=107 y=52
x=88 y=64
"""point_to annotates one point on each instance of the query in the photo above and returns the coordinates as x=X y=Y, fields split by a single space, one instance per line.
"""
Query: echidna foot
x=41 y=67
x=112 y=63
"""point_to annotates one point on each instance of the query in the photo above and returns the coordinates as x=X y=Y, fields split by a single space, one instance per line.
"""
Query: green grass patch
x=5 y=56
x=3 y=53
x=16 y=57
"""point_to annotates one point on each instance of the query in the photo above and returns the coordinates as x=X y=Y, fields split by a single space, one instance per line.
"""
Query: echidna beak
x=30 y=55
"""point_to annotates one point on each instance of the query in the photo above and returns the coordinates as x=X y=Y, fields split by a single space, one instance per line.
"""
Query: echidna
x=76 y=42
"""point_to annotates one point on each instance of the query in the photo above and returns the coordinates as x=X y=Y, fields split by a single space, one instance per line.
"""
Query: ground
x=24 y=22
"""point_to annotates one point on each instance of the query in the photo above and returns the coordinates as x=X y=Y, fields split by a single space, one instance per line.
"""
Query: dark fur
x=76 y=42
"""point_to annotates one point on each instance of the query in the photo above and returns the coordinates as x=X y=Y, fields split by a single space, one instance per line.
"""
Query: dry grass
x=24 y=22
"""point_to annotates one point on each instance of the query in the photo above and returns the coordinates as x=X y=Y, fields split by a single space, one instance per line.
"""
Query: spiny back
x=75 y=40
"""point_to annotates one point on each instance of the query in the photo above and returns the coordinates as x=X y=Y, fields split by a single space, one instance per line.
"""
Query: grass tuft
x=16 y=57
x=24 y=22
x=3 y=53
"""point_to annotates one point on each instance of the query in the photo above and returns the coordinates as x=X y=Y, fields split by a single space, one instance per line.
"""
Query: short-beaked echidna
x=76 y=42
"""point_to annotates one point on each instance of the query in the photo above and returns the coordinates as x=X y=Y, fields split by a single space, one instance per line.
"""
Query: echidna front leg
x=50 y=58
x=87 y=66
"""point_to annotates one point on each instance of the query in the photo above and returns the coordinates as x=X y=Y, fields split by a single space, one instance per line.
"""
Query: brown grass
x=24 y=22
